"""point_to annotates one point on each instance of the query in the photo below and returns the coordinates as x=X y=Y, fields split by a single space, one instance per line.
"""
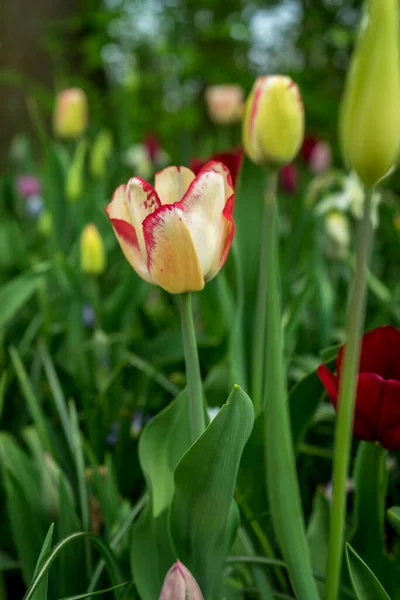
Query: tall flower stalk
x=346 y=403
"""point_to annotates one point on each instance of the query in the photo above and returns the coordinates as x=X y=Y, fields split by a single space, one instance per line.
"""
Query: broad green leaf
x=41 y=592
x=368 y=536
x=364 y=582
x=249 y=203
x=162 y=444
x=15 y=293
x=304 y=399
x=318 y=537
x=202 y=514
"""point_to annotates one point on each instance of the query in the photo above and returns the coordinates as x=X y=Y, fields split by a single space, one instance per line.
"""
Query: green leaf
x=162 y=444
x=107 y=554
x=318 y=537
x=98 y=593
x=368 y=537
x=41 y=592
x=304 y=399
x=364 y=582
x=71 y=561
x=7 y=563
x=202 y=514
x=15 y=293
x=32 y=401
x=394 y=518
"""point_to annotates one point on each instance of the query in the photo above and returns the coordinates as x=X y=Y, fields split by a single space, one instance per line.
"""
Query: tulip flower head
x=377 y=412
x=224 y=103
x=71 y=113
x=320 y=158
x=273 y=127
x=370 y=112
x=93 y=259
x=179 y=584
x=288 y=178
x=178 y=234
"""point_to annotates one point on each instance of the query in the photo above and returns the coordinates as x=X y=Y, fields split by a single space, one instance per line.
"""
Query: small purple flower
x=34 y=206
x=88 y=315
x=28 y=185
x=112 y=437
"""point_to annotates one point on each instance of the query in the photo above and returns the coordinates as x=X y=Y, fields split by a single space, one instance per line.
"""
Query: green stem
x=346 y=402
x=196 y=402
x=282 y=483
x=261 y=307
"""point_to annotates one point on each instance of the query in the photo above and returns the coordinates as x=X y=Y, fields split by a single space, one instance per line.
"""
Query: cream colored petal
x=141 y=200
x=203 y=205
x=172 y=259
x=125 y=232
x=172 y=183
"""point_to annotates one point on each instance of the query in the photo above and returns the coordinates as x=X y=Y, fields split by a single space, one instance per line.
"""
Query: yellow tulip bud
x=370 y=112
x=71 y=113
x=273 y=126
x=100 y=153
x=93 y=259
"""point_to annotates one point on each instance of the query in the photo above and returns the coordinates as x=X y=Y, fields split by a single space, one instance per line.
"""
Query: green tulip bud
x=370 y=112
x=100 y=153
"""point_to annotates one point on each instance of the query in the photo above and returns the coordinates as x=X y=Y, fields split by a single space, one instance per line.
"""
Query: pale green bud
x=100 y=153
x=370 y=113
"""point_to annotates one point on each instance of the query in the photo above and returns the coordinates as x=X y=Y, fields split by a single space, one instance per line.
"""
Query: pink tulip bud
x=320 y=158
x=71 y=113
x=225 y=103
x=179 y=584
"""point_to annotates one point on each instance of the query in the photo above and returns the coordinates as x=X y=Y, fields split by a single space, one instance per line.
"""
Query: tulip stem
x=196 y=403
x=281 y=476
x=261 y=307
x=346 y=402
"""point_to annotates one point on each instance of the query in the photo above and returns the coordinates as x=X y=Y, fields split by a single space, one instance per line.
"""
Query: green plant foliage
x=364 y=582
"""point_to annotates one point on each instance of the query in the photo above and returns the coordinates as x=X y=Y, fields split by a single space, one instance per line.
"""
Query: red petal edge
x=330 y=383
x=227 y=212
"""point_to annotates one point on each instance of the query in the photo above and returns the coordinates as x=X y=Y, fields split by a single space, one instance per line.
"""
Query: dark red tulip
x=288 y=178
x=309 y=143
x=377 y=414
x=232 y=159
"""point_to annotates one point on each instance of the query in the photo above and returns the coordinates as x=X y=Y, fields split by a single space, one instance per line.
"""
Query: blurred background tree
x=145 y=63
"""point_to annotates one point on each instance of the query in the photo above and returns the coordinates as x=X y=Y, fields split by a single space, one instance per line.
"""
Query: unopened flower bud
x=179 y=584
x=93 y=260
x=370 y=112
x=100 y=153
x=273 y=126
x=75 y=175
x=71 y=113
x=224 y=103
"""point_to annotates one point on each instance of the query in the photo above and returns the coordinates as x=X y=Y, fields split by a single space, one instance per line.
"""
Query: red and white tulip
x=178 y=234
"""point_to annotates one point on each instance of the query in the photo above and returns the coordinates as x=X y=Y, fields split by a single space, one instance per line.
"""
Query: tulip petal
x=330 y=383
x=203 y=205
x=142 y=200
x=126 y=235
x=171 y=255
x=368 y=405
x=389 y=418
x=380 y=353
x=219 y=167
x=171 y=184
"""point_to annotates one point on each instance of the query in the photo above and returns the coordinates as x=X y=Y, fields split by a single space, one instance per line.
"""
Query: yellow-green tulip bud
x=93 y=258
x=370 y=112
x=71 y=113
x=100 y=153
x=75 y=175
x=273 y=126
